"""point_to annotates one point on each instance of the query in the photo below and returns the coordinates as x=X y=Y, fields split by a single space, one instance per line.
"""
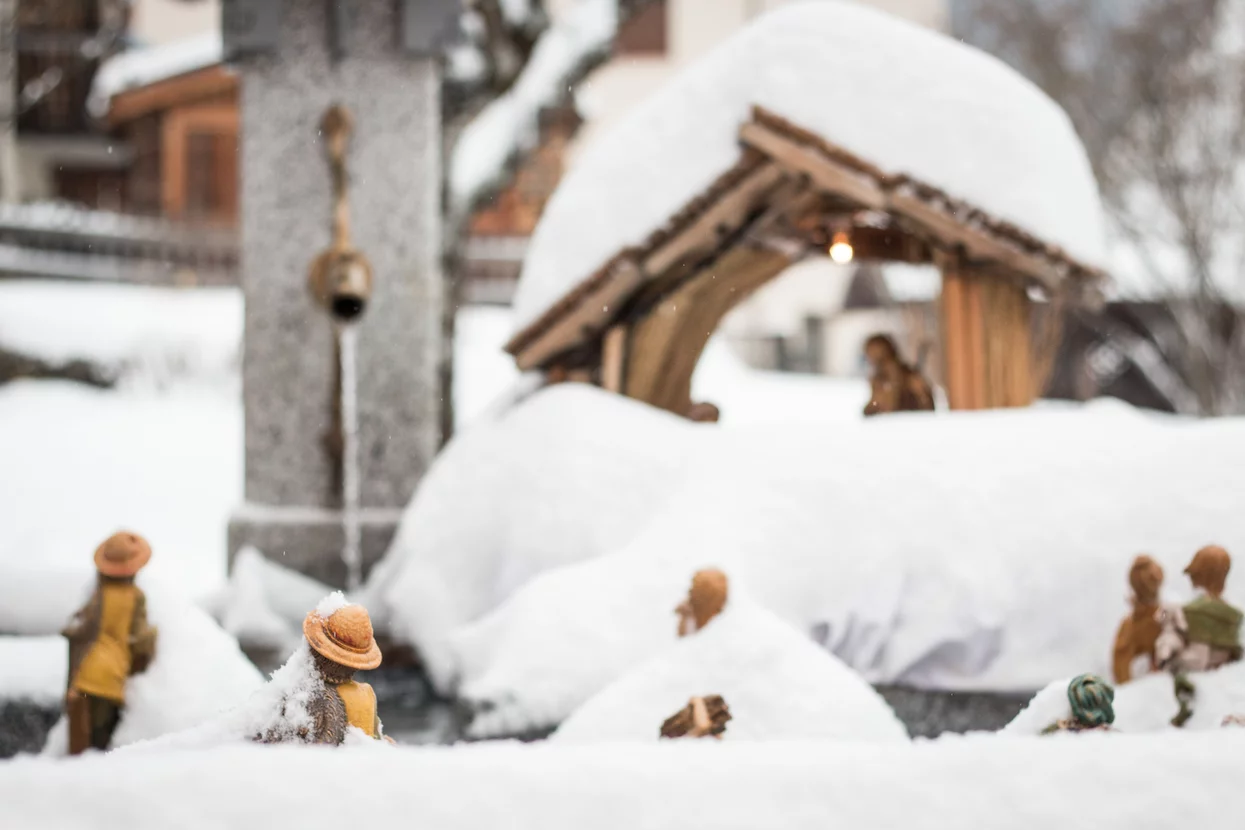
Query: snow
x=1081 y=782
x=485 y=521
x=35 y=669
x=778 y=684
x=955 y=551
x=1146 y=704
x=198 y=670
x=509 y=124
x=264 y=603
x=910 y=101
x=81 y=463
x=149 y=65
x=145 y=336
x=279 y=706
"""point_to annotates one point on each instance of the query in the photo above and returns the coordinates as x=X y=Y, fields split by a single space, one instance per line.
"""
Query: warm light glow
x=841 y=249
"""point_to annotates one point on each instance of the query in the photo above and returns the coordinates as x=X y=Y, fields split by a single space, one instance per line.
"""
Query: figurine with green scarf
x=1091 y=699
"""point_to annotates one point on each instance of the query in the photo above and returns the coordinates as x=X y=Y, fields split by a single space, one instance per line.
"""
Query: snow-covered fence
x=63 y=242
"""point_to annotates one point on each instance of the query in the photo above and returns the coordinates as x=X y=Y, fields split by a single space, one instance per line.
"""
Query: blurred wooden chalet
x=638 y=324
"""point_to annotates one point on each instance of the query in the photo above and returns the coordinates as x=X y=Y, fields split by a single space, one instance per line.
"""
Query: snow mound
x=144 y=336
x=1146 y=704
x=910 y=101
x=548 y=483
x=1151 y=781
x=197 y=672
x=265 y=603
x=778 y=683
x=940 y=568
x=35 y=669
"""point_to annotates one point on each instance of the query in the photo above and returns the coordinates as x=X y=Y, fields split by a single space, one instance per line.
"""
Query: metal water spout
x=341 y=276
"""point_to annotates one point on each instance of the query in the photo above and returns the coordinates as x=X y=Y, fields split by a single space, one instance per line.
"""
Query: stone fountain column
x=296 y=58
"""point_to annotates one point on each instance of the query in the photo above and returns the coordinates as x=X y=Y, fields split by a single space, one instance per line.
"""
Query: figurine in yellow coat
x=109 y=640
x=342 y=644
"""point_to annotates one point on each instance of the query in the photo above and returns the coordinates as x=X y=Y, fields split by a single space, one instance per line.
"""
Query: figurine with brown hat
x=109 y=640
x=1209 y=629
x=341 y=643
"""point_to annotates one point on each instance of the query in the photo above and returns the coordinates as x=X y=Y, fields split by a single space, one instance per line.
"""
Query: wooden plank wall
x=987 y=339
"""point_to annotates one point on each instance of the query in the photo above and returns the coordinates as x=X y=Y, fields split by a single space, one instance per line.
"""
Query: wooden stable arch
x=638 y=326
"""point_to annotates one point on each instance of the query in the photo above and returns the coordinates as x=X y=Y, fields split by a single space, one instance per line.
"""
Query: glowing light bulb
x=841 y=249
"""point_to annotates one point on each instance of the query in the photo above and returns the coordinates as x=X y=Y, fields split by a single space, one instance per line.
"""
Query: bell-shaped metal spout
x=341 y=282
x=341 y=277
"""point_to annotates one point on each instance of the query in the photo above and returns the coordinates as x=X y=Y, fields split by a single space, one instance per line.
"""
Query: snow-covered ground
x=778 y=684
x=956 y=551
x=1085 y=782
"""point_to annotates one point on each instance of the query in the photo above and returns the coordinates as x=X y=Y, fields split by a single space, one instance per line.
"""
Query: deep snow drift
x=1147 y=704
x=912 y=101
x=778 y=683
x=1082 y=782
x=959 y=551
x=198 y=671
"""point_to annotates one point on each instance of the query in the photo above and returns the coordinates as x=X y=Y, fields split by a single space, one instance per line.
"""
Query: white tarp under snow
x=903 y=97
x=1083 y=782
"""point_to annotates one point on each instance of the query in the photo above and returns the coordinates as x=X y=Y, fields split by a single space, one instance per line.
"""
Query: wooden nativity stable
x=637 y=325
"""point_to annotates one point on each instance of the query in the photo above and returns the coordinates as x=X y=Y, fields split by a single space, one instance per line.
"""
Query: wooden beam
x=589 y=317
x=191 y=87
x=826 y=173
x=729 y=211
x=666 y=343
x=613 y=359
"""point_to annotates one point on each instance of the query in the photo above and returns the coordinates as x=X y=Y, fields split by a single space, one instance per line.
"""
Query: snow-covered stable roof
x=915 y=104
x=152 y=64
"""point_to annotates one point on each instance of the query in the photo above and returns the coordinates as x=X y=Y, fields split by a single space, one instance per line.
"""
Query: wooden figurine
x=341 y=644
x=705 y=600
x=704 y=413
x=701 y=717
x=1140 y=630
x=1091 y=699
x=1205 y=633
x=109 y=640
x=894 y=385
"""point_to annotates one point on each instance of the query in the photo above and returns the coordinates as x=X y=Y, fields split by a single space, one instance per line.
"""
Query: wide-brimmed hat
x=345 y=637
x=122 y=554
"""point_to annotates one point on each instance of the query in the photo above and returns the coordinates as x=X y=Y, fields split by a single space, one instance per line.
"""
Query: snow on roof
x=510 y=123
x=980 y=781
x=151 y=64
x=906 y=99
x=778 y=683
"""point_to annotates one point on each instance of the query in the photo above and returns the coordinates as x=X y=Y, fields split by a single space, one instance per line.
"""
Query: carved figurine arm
x=328 y=718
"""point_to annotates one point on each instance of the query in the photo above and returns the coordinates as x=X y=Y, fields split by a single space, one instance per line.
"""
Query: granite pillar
x=293 y=493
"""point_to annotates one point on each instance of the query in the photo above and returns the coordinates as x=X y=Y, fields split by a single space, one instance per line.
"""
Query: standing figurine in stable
x=109 y=640
x=1091 y=699
x=1140 y=630
x=702 y=717
x=1203 y=635
x=705 y=600
x=894 y=385
x=341 y=644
